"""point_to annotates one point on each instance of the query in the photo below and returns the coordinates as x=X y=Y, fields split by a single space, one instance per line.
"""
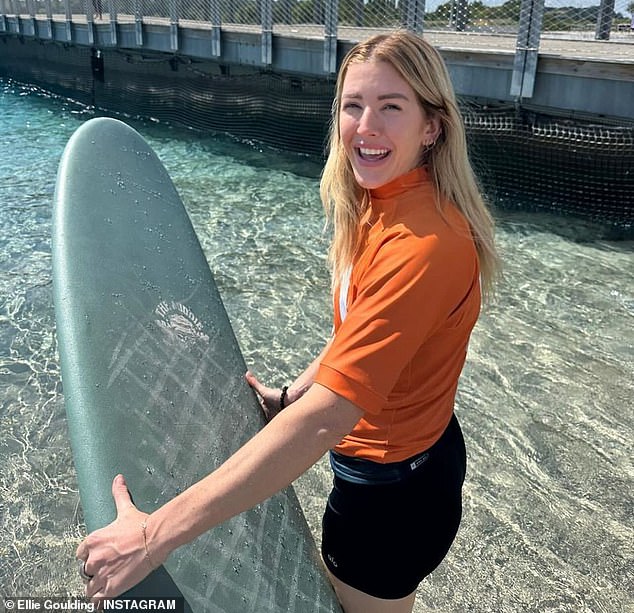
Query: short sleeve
x=406 y=291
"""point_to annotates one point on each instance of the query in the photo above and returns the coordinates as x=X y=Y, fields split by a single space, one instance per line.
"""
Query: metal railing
x=603 y=20
x=525 y=22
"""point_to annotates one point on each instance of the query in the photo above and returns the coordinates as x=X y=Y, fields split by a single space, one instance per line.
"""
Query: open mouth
x=372 y=155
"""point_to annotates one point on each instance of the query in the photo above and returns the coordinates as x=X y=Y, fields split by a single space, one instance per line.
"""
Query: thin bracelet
x=147 y=552
x=283 y=397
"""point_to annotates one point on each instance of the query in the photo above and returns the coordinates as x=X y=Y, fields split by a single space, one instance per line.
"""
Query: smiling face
x=382 y=126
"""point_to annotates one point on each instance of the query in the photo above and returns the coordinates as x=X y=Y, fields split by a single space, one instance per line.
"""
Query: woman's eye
x=348 y=106
x=392 y=107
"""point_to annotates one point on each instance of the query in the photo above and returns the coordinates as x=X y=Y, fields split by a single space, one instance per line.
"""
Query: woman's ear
x=432 y=130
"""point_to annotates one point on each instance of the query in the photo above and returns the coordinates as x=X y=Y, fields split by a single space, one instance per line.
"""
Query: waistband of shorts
x=363 y=471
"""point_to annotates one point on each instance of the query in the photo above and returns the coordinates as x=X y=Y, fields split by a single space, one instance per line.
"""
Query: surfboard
x=153 y=377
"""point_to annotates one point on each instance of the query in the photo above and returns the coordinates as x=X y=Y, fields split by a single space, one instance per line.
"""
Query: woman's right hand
x=269 y=396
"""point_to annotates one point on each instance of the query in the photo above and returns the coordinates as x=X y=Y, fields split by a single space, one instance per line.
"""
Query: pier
x=518 y=60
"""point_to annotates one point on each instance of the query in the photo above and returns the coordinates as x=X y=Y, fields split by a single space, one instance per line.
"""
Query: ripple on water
x=544 y=400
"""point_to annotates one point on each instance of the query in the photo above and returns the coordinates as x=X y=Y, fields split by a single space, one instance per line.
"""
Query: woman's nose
x=369 y=122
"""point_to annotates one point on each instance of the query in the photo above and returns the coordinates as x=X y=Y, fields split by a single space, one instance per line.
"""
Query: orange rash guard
x=413 y=299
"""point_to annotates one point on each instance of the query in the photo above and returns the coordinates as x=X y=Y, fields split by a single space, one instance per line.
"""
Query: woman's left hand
x=115 y=557
x=269 y=396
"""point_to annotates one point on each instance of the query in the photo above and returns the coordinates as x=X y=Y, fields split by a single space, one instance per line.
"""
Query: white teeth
x=365 y=151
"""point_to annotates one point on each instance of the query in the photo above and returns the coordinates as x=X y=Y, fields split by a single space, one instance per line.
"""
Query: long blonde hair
x=345 y=201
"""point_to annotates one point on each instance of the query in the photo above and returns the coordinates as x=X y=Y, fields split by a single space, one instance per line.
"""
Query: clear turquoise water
x=546 y=398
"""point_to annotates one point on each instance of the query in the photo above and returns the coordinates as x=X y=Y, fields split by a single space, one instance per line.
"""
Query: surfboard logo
x=179 y=322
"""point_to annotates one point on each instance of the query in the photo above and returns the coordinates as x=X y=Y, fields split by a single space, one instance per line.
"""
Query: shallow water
x=545 y=400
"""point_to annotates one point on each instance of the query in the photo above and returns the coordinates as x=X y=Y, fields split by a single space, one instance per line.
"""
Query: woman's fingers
x=82 y=551
x=253 y=381
x=113 y=558
x=121 y=495
x=269 y=396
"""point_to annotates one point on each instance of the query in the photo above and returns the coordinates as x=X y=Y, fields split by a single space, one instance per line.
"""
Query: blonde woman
x=412 y=247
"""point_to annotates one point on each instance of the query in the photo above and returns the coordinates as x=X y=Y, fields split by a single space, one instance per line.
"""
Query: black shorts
x=384 y=539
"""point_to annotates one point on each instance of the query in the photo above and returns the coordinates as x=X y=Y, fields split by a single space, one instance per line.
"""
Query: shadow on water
x=574 y=229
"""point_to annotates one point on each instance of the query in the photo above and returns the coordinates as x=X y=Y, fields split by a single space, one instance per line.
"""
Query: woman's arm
x=271 y=460
x=301 y=385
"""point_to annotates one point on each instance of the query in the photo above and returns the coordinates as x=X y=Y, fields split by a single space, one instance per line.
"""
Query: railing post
x=604 y=20
x=68 y=20
x=31 y=10
x=49 y=19
x=266 y=17
x=414 y=15
x=527 y=48
x=318 y=11
x=112 y=9
x=216 y=22
x=138 y=23
x=174 y=25
x=18 y=21
x=88 y=8
x=331 y=17
x=459 y=15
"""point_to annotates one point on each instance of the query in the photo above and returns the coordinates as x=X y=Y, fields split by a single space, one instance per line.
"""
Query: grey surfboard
x=153 y=377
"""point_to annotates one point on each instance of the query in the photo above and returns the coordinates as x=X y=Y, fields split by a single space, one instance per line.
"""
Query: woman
x=412 y=242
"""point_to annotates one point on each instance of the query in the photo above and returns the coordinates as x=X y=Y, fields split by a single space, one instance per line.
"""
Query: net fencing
x=587 y=20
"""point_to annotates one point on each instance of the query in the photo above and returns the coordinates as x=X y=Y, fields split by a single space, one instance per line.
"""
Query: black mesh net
x=532 y=161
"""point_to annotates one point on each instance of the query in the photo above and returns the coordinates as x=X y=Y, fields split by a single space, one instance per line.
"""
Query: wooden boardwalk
x=575 y=75
x=579 y=45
